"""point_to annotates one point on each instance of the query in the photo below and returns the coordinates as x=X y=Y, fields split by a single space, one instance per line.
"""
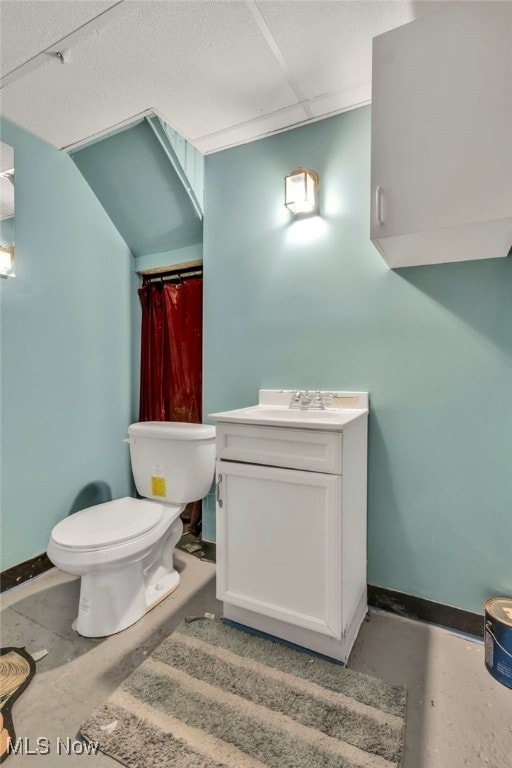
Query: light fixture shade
x=299 y=190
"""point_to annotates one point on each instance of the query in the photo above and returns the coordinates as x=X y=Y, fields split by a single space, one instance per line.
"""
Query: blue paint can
x=498 y=638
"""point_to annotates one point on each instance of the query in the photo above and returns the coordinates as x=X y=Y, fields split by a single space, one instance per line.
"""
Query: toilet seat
x=108 y=524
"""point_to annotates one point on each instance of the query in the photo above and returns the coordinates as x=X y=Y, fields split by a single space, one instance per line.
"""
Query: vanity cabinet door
x=279 y=544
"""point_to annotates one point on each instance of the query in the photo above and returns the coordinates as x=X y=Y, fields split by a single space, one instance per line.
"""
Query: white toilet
x=123 y=549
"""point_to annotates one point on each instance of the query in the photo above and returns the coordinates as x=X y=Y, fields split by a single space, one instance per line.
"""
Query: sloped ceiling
x=220 y=73
x=140 y=190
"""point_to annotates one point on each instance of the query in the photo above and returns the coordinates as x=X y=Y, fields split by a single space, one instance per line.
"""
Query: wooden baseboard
x=426 y=610
x=16 y=575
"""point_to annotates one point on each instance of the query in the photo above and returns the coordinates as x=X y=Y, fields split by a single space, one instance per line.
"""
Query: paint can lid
x=500 y=608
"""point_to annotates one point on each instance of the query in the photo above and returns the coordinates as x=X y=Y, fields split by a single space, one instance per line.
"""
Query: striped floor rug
x=211 y=696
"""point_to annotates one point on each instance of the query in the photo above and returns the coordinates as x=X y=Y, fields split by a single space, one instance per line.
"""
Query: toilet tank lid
x=176 y=430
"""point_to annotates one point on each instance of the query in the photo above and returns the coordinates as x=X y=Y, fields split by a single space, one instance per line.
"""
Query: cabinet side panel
x=353 y=558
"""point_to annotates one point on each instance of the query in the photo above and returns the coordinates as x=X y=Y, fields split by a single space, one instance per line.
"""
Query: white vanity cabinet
x=291 y=531
x=441 y=187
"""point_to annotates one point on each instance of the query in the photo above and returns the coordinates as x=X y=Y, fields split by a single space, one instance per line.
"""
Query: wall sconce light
x=299 y=190
x=7 y=261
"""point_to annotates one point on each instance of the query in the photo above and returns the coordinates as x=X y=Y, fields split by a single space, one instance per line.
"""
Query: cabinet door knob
x=219 y=500
x=378 y=205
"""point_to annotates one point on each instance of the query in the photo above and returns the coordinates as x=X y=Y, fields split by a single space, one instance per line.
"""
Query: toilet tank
x=172 y=462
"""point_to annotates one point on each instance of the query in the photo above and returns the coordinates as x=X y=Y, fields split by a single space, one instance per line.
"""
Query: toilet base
x=158 y=592
x=111 y=602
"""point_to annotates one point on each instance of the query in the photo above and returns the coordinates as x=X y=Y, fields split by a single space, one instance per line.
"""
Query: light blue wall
x=7 y=231
x=190 y=159
x=66 y=349
x=311 y=304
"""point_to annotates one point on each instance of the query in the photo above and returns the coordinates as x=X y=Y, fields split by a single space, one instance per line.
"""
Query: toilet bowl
x=123 y=549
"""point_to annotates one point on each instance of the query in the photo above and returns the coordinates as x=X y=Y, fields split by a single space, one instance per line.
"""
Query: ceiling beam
x=58 y=49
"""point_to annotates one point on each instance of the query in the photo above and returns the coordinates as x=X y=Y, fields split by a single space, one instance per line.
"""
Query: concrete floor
x=458 y=716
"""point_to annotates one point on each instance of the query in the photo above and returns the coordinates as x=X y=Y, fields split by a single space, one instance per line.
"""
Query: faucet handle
x=295 y=399
x=318 y=400
x=305 y=397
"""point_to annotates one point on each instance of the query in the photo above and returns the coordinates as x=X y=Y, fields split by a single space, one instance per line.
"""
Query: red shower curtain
x=171 y=358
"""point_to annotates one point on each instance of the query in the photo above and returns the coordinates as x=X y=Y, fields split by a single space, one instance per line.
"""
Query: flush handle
x=219 y=481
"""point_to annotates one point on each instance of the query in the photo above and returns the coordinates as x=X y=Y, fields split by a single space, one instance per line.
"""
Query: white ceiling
x=218 y=72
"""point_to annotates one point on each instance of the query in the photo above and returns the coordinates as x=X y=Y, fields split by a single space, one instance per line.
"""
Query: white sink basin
x=276 y=415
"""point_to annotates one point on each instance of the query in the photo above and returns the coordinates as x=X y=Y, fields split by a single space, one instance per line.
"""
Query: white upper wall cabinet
x=442 y=137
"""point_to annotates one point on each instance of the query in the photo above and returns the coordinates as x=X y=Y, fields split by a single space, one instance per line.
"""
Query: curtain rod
x=172 y=271
x=179 y=267
x=168 y=278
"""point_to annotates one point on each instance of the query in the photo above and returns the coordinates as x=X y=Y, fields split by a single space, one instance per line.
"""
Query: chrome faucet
x=300 y=400
x=306 y=400
x=318 y=401
x=295 y=401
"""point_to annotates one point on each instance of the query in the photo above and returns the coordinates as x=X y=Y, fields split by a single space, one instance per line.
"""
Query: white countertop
x=273 y=411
